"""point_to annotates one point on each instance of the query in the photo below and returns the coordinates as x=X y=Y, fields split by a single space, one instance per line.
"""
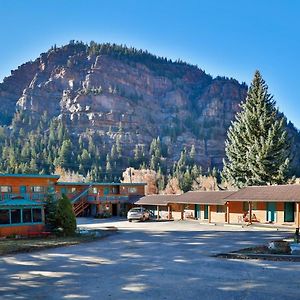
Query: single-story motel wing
x=277 y=205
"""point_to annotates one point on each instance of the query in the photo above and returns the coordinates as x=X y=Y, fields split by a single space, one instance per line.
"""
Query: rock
x=279 y=247
x=295 y=249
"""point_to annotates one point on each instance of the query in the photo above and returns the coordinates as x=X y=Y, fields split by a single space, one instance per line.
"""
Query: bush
x=65 y=217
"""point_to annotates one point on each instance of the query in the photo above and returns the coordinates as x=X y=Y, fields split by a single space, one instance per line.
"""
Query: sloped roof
x=203 y=197
x=268 y=193
x=30 y=175
x=102 y=183
x=161 y=200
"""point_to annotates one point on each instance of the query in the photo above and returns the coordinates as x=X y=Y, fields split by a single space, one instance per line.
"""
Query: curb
x=272 y=257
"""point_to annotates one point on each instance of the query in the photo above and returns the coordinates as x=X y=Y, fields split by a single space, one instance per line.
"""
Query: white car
x=138 y=213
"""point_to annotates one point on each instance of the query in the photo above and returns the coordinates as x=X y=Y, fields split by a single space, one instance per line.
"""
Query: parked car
x=138 y=213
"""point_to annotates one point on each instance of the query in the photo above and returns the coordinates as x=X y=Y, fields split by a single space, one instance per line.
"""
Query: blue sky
x=229 y=38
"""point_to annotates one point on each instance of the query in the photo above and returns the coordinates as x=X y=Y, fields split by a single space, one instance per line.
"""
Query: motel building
x=22 y=202
x=101 y=199
x=278 y=205
x=23 y=197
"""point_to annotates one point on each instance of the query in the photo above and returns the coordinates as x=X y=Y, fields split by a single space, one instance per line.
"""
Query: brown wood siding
x=16 y=182
x=21 y=230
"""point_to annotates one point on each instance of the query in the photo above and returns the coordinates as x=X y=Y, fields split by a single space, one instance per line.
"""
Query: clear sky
x=228 y=38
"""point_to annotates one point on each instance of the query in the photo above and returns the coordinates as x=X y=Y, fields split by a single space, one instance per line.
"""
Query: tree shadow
x=150 y=265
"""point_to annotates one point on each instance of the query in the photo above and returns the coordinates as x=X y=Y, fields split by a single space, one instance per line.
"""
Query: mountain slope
x=124 y=98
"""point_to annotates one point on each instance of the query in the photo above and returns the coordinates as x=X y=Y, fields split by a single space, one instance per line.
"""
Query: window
x=115 y=190
x=27 y=216
x=37 y=215
x=73 y=189
x=221 y=208
x=132 y=190
x=4 y=216
x=37 y=189
x=246 y=206
x=5 y=189
x=94 y=190
x=15 y=215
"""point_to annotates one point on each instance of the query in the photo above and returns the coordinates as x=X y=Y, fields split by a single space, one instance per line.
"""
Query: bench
x=188 y=215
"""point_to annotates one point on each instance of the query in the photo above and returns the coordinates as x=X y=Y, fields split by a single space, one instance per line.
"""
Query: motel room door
x=197 y=211
x=271 y=212
x=206 y=212
x=289 y=212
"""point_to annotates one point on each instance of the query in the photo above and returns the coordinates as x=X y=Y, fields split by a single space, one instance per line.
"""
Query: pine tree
x=65 y=158
x=192 y=153
x=186 y=182
x=65 y=217
x=257 y=147
x=50 y=212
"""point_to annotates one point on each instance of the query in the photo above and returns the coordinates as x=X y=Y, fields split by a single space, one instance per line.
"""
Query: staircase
x=80 y=202
x=80 y=206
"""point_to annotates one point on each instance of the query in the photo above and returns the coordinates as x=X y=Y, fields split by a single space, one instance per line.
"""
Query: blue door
x=22 y=189
x=206 y=212
x=197 y=211
x=289 y=212
x=271 y=212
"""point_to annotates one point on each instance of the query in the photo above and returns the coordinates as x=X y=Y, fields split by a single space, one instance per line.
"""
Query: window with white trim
x=221 y=208
x=37 y=189
x=132 y=190
x=5 y=189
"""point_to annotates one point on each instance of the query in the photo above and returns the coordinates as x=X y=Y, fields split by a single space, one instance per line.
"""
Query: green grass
x=8 y=246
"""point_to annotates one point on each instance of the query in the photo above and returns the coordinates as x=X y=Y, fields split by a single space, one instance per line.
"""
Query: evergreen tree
x=65 y=217
x=160 y=180
x=192 y=153
x=257 y=147
x=50 y=212
x=186 y=182
x=65 y=158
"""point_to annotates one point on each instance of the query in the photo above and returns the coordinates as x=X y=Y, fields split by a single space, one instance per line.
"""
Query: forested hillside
x=97 y=109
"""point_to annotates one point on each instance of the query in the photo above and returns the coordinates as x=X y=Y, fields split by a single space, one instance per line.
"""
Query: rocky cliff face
x=103 y=92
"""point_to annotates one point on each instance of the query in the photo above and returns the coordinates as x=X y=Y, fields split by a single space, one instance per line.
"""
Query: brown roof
x=203 y=197
x=161 y=200
x=276 y=193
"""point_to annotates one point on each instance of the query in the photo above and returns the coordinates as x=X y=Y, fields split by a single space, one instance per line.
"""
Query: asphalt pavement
x=152 y=260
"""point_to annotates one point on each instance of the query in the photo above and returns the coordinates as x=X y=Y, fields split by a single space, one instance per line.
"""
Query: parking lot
x=151 y=260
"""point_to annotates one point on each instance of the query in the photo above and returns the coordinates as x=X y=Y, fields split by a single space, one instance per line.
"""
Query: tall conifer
x=257 y=146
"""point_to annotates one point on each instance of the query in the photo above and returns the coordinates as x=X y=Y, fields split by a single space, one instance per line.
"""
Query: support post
x=297 y=215
x=169 y=212
x=250 y=212
x=209 y=214
x=157 y=212
x=227 y=213
x=181 y=217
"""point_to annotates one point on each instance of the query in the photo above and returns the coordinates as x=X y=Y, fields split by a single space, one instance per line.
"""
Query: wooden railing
x=80 y=202
x=25 y=196
x=80 y=206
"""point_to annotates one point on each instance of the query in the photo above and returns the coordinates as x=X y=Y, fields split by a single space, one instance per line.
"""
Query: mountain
x=105 y=105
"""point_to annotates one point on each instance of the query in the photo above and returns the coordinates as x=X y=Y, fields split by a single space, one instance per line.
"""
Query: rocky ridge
x=131 y=95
